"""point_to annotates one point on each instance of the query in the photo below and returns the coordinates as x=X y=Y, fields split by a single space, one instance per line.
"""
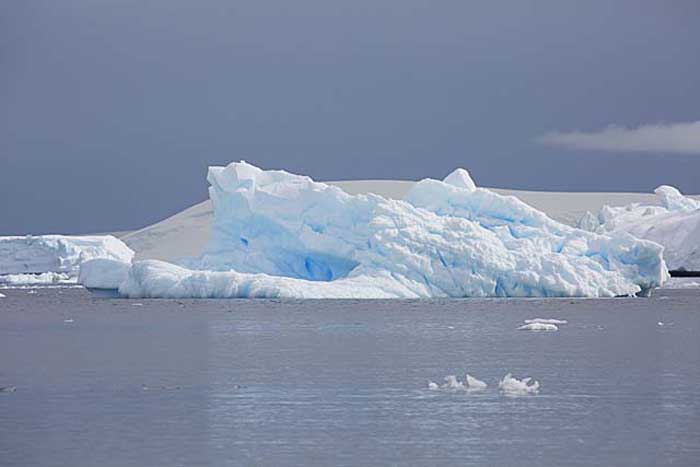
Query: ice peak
x=461 y=179
x=672 y=199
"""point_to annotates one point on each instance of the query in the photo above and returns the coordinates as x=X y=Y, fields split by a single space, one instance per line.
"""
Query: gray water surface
x=238 y=382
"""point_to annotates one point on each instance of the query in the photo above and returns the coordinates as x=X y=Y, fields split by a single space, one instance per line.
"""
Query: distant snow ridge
x=674 y=223
x=470 y=384
x=281 y=235
x=514 y=387
x=54 y=259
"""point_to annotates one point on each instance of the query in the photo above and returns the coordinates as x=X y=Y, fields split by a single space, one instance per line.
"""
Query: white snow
x=452 y=383
x=515 y=387
x=674 y=223
x=460 y=178
x=538 y=327
x=474 y=384
x=47 y=278
x=281 y=235
x=103 y=273
x=186 y=234
x=682 y=283
x=546 y=321
x=51 y=259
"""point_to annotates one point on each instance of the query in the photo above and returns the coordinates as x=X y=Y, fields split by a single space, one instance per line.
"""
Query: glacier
x=674 y=223
x=276 y=234
x=54 y=259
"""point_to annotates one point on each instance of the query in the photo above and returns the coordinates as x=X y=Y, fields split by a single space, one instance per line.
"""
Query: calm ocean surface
x=113 y=382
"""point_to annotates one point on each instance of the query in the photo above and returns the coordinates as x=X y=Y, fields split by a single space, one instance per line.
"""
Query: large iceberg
x=674 y=223
x=275 y=234
x=55 y=258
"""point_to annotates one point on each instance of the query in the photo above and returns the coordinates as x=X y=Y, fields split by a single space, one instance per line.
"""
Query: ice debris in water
x=470 y=384
x=2 y=295
x=279 y=235
x=515 y=387
x=8 y=389
x=546 y=321
x=538 y=327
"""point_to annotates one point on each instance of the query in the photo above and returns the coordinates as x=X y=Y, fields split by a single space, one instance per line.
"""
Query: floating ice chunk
x=546 y=321
x=103 y=273
x=474 y=384
x=452 y=383
x=515 y=387
x=538 y=327
x=8 y=389
x=70 y=320
x=2 y=295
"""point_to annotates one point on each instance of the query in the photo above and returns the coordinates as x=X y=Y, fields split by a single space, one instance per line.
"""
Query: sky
x=112 y=110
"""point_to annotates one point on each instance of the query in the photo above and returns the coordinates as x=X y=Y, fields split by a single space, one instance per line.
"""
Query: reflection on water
x=346 y=382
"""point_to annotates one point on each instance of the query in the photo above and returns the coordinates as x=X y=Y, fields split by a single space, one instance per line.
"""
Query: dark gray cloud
x=112 y=110
x=675 y=138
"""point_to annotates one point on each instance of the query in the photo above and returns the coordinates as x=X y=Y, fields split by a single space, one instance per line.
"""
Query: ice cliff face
x=674 y=224
x=281 y=235
x=57 y=253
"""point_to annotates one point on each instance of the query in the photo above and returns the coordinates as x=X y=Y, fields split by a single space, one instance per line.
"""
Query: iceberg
x=275 y=234
x=103 y=273
x=674 y=223
x=546 y=321
x=511 y=386
x=54 y=259
x=538 y=326
x=452 y=383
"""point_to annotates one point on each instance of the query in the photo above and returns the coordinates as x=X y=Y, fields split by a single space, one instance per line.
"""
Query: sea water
x=113 y=382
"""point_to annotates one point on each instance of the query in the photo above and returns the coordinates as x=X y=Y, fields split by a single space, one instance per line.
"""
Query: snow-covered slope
x=277 y=234
x=673 y=221
x=56 y=254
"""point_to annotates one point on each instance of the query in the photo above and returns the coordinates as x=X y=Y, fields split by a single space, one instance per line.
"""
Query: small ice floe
x=159 y=388
x=137 y=304
x=474 y=384
x=546 y=321
x=538 y=327
x=2 y=296
x=31 y=292
x=514 y=387
x=69 y=320
x=470 y=384
x=8 y=389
